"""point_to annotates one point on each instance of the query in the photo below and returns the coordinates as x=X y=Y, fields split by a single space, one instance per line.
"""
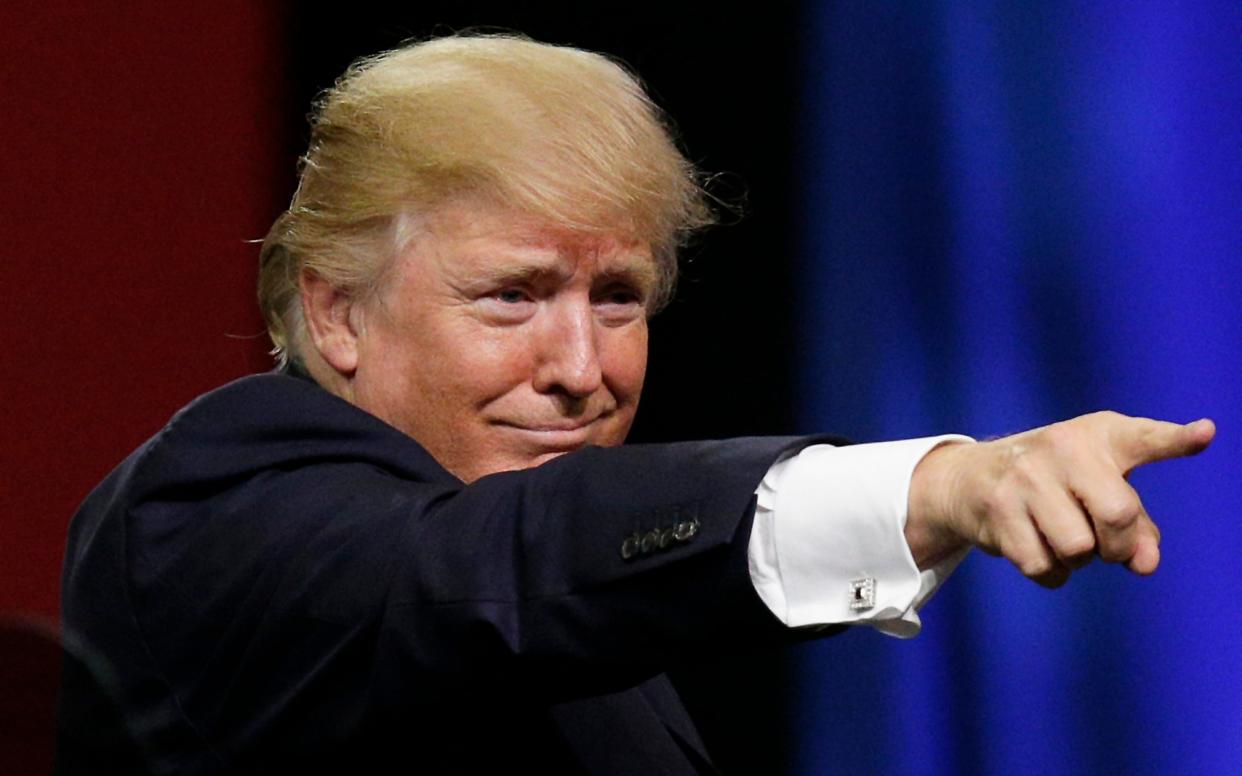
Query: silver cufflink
x=862 y=594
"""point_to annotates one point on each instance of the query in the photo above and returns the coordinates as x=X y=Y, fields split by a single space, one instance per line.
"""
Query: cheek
x=626 y=363
x=465 y=363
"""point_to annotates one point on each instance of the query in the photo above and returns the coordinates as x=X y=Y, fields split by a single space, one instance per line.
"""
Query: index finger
x=1138 y=441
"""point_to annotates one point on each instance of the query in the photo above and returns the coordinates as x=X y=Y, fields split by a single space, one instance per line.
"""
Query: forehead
x=473 y=237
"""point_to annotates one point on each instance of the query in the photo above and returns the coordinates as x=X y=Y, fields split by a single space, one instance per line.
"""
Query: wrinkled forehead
x=474 y=236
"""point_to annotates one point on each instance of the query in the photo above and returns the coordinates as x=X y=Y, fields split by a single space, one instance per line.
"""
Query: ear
x=330 y=322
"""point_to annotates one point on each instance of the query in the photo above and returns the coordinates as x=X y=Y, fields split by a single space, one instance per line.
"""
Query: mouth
x=563 y=435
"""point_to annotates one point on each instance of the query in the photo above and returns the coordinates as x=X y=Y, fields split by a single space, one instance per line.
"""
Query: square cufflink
x=862 y=594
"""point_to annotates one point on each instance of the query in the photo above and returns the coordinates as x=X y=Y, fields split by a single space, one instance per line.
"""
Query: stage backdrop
x=1014 y=213
x=137 y=156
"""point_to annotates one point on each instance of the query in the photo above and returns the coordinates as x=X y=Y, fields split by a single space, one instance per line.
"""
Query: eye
x=511 y=296
x=622 y=296
x=620 y=303
x=507 y=305
x=619 y=293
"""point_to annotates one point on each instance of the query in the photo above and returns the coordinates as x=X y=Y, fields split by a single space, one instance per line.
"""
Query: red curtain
x=140 y=149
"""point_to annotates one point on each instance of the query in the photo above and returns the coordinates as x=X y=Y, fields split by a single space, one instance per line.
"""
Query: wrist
x=929 y=527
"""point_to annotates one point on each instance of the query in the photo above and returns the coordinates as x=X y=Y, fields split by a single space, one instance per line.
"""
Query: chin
x=534 y=449
x=542 y=459
x=472 y=470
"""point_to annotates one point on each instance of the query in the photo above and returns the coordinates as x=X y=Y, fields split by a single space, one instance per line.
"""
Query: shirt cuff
x=830 y=521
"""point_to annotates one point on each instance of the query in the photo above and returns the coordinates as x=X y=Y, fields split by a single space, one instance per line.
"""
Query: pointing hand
x=1048 y=499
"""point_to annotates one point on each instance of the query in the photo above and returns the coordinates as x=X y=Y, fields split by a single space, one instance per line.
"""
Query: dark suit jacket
x=281 y=582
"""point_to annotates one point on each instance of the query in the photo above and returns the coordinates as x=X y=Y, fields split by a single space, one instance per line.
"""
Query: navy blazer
x=281 y=582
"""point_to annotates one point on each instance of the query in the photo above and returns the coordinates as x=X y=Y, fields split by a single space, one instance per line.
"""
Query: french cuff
x=828 y=543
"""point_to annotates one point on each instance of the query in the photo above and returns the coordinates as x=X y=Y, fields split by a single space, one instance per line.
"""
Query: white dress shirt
x=828 y=543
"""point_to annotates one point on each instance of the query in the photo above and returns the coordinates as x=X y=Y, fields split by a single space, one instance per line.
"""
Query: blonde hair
x=557 y=132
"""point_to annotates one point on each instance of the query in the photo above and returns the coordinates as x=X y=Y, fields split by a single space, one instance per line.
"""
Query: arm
x=533 y=565
x=282 y=515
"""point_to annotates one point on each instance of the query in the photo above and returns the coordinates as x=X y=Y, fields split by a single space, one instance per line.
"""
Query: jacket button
x=666 y=537
x=651 y=540
x=686 y=530
x=629 y=547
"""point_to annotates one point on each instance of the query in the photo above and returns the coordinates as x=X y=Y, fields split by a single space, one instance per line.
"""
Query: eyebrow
x=634 y=269
x=517 y=272
x=639 y=274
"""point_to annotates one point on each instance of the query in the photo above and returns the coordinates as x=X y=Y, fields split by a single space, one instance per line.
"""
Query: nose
x=568 y=351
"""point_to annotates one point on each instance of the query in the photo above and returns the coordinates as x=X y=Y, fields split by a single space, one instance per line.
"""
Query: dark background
x=146 y=145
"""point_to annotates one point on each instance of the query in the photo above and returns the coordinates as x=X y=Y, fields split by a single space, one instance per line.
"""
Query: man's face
x=499 y=342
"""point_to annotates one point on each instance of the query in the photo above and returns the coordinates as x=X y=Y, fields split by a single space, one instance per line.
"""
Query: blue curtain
x=1015 y=213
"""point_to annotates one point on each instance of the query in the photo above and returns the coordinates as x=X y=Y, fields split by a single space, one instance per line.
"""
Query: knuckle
x=987 y=539
x=1150 y=439
x=1062 y=438
x=1056 y=433
x=1119 y=512
x=1103 y=417
x=1034 y=566
x=1077 y=547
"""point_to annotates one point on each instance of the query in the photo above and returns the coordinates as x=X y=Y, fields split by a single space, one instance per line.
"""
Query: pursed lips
x=559 y=435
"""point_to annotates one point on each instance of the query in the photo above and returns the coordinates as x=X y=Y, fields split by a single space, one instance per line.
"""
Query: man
x=421 y=544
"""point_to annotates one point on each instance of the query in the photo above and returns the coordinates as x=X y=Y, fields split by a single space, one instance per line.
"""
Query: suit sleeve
x=591 y=572
x=276 y=565
x=624 y=560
